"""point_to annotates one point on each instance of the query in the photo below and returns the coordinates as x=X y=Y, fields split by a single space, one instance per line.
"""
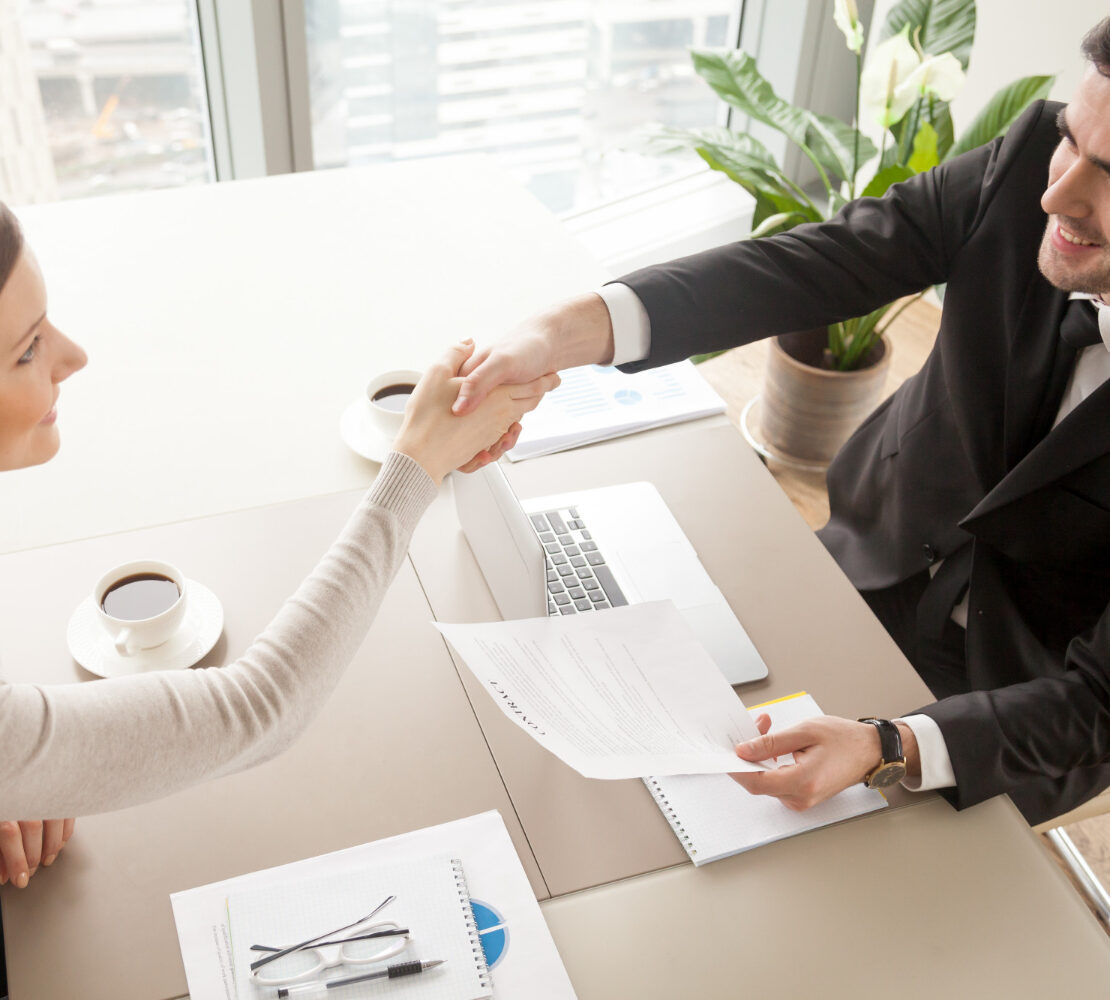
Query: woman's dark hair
x=1096 y=46
x=11 y=243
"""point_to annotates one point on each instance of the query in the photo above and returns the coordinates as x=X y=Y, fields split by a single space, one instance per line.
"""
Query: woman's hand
x=441 y=441
x=29 y=843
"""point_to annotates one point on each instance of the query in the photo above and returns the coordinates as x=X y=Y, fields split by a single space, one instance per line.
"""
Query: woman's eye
x=29 y=354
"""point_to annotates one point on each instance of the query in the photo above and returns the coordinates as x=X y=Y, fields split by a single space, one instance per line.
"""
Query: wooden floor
x=738 y=377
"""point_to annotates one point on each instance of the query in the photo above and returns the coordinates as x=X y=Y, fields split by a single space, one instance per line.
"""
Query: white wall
x=1015 y=38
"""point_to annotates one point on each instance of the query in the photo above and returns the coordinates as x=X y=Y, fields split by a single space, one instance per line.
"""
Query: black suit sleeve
x=873 y=251
x=1044 y=741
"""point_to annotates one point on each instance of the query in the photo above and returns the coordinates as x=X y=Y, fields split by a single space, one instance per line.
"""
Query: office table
x=395 y=748
x=224 y=440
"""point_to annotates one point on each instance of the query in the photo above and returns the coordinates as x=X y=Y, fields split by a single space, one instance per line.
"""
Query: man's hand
x=29 y=843
x=830 y=754
x=439 y=440
x=579 y=332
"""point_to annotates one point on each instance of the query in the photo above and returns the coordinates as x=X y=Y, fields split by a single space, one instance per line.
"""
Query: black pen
x=392 y=972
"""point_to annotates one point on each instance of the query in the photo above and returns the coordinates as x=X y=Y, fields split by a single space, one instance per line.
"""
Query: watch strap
x=890 y=740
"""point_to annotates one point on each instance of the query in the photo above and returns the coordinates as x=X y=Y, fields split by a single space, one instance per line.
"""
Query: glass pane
x=552 y=89
x=101 y=96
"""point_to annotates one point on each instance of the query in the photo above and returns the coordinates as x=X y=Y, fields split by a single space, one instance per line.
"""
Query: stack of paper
x=501 y=899
x=596 y=403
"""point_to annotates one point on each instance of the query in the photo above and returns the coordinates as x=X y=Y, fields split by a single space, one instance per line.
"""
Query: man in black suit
x=972 y=509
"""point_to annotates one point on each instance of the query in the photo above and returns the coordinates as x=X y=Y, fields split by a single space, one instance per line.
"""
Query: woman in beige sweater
x=74 y=749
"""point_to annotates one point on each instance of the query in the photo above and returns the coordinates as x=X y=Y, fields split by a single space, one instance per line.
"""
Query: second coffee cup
x=387 y=395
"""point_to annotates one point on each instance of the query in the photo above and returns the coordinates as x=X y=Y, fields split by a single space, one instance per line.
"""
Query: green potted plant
x=903 y=92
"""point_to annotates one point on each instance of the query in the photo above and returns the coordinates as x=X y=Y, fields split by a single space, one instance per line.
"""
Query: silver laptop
x=583 y=552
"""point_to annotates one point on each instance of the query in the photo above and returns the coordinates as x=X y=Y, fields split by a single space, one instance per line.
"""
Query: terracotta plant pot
x=808 y=411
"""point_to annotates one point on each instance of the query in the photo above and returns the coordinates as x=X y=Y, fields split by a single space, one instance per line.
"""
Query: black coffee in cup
x=140 y=596
x=393 y=397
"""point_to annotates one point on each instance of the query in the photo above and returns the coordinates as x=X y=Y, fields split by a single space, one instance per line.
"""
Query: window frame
x=259 y=105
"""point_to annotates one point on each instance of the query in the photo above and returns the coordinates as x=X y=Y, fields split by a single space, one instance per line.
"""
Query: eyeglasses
x=366 y=943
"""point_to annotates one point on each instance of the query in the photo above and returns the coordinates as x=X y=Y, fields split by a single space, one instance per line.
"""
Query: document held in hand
x=622 y=693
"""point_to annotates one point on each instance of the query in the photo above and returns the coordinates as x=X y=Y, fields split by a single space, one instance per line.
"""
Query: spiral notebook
x=432 y=902
x=714 y=817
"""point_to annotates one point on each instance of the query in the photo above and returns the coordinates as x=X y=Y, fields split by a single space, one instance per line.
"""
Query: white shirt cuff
x=936 y=765
x=631 y=325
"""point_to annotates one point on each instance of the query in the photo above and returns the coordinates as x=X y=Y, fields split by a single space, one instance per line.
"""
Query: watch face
x=887 y=774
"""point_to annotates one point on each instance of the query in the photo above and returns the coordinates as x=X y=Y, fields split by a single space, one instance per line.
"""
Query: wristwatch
x=892 y=767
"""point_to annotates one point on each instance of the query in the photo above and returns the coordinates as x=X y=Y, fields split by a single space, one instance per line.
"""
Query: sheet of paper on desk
x=621 y=693
x=596 y=403
x=431 y=900
x=504 y=908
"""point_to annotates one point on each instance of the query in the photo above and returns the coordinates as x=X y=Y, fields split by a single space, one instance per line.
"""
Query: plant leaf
x=733 y=75
x=924 y=156
x=832 y=142
x=884 y=178
x=836 y=202
x=940 y=118
x=754 y=179
x=1001 y=111
x=946 y=25
x=777 y=223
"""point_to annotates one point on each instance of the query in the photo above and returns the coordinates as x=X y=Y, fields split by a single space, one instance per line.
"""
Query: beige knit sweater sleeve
x=75 y=749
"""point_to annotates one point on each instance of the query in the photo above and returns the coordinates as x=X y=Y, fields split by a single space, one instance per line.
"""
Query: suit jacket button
x=930 y=552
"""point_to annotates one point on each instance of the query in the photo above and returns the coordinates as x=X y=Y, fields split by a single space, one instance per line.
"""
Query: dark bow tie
x=1079 y=328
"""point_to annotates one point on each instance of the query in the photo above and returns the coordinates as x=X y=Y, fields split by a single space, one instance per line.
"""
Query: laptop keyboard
x=578 y=579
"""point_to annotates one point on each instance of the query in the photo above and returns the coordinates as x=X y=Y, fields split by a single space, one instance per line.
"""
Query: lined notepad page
x=714 y=817
x=432 y=901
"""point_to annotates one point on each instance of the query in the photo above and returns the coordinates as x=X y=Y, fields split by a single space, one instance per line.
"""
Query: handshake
x=466 y=410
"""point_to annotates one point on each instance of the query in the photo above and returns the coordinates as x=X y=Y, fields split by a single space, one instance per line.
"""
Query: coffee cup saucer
x=93 y=648
x=361 y=434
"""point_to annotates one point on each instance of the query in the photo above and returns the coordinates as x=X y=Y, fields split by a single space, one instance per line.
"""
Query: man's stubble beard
x=1093 y=279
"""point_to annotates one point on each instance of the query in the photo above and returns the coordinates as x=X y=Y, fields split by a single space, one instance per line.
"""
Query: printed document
x=622 y=693
x=597 y=402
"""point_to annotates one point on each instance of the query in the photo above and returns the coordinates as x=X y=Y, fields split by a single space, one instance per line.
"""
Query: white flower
x=846 y=16
x=896 y=75
x=942 y=76
x=888 y=67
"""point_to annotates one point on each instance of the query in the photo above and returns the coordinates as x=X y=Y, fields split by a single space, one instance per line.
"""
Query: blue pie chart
x=492 y=932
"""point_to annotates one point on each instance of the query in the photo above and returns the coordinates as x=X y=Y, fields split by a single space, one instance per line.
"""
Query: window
x=552 y=89
x=101 y=96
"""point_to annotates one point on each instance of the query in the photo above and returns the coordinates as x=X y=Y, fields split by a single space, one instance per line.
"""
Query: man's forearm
x=581 y=332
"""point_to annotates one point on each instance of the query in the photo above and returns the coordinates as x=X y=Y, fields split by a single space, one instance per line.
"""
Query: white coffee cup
x=387 y=395
x=124 y=596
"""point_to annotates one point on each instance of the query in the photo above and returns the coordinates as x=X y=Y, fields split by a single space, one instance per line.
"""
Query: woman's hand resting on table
x=26 y=845
x=442 y=441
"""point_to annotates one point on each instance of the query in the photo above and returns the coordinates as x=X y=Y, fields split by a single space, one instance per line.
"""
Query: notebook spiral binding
x=672 y=817
x=471 y=924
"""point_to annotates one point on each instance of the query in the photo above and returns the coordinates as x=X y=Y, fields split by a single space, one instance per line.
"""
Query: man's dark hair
x=1096 y=46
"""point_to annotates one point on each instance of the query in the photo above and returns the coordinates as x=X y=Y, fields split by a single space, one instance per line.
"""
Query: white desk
x=229 y=326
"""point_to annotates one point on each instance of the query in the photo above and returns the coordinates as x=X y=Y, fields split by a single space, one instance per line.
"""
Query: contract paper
x=622 y=693
x=595 y=403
